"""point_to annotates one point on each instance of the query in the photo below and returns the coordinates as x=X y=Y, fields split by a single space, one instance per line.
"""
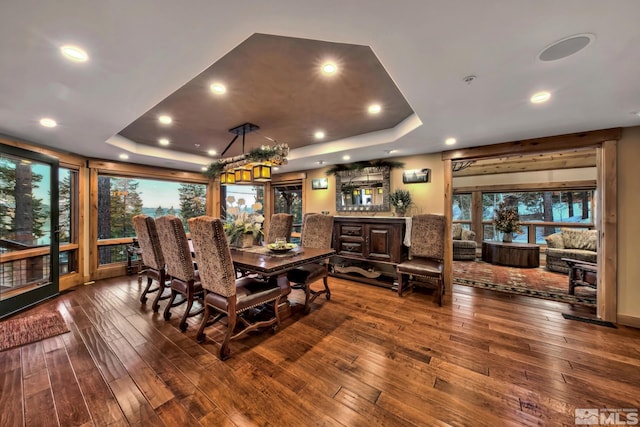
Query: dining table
x=273 y=266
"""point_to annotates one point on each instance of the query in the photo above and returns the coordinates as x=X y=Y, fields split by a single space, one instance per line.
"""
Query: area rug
x=28 y=329
x=534 y=282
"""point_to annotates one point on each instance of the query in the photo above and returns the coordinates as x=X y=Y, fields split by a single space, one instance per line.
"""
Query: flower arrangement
x=240 y=221
x=507 y=219
x=401 y=200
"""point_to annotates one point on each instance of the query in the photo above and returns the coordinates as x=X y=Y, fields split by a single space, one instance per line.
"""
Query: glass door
x=28 y=228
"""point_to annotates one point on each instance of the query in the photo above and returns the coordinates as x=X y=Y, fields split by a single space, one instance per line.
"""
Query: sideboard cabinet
x=368 y=248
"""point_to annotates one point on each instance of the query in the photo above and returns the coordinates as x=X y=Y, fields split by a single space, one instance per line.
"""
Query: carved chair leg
x=187 y=310
x=326 y=288
x=225 y=351
x=200 y=336
x=143 y=297
x=156 y=301
x=307 y=298
x=167 y=309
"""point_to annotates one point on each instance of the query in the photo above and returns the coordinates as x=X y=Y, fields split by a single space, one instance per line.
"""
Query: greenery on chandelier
x=274 y=154
x=365 y=164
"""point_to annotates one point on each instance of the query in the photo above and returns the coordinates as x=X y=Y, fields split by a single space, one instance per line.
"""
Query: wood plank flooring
x=366 y=357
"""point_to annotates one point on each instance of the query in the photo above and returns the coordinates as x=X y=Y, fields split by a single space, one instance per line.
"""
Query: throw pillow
x=456 y=231
x=555 y=240
x=579 y=239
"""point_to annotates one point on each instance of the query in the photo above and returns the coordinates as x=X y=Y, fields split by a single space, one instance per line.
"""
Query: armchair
x=185 y=279
x=426 y=254
x=224 y=294
x=464 y=243
x=152 y=258
x=317 y=231
x=279 y=226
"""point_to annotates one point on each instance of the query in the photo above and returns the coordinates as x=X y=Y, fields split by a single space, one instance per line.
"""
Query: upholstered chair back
x=175 y=248
x=427 y=236
x=280 y=226
x=149 y=242
x=317 y=230
x=213 y=255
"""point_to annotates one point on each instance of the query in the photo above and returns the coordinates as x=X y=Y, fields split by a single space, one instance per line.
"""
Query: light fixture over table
x=247 y=167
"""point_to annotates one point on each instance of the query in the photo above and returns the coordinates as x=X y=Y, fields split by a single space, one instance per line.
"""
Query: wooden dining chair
x=426 y=254
x=279 y=226
x=185 y=280
x=152 y=258
x=317 y=231
x=226 y=296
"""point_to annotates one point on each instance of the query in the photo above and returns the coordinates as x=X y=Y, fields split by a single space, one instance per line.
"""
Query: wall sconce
x=261 y=172
x=367 y=191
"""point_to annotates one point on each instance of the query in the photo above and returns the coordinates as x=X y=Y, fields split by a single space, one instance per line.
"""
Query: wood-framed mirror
x=363 y=190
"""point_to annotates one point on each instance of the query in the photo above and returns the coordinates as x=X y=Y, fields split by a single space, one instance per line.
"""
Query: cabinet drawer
x=350 y=230
x=353 y=248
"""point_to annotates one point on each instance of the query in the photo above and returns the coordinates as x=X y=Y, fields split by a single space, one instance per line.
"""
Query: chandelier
x=253 y=166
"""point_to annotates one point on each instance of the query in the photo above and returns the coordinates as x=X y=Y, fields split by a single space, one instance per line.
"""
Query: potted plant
x=507 y=220
x=400 y=200
x=243 y=227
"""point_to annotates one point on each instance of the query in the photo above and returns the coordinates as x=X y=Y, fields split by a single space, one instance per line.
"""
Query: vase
x=507 y=237
x=244 y=241
x=400 y=212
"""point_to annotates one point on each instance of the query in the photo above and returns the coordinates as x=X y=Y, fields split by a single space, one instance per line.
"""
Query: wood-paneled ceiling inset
x=585 y=158
x=276 y=83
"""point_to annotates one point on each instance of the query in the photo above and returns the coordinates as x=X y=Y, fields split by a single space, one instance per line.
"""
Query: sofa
x=464 y=244
x=571 y=243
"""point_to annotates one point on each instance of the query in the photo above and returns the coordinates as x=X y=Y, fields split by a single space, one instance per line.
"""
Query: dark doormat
x=588 y=320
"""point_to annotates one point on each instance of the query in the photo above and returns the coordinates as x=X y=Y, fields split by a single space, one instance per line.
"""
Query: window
x=539 y=211
x=121 y=198
x=288 y=199
x=68 y=218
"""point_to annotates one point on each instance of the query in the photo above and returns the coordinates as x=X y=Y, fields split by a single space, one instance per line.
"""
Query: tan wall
x=629 y=226
x=427 y=197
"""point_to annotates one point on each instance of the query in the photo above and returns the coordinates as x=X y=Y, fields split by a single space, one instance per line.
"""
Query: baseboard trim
x=623 y=319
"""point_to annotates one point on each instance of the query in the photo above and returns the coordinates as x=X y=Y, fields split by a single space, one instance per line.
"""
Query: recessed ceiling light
x=203 y=168
x=165 y=120
x=329 y=68
x=275 y=168
x=74 y=53
x=565 y=47
x=218 y=88
x=320 y=162
x=319 y=134
x=637 y=113
x=124 y=156
x=346 y=157
x=374 y=108
x=163 y=141
x=540 y=97
x=212 y=152
x=48 y=123
x=390 y=151
x=450 y=141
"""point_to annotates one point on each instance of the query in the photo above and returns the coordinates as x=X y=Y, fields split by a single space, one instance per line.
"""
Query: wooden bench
x=581 y=273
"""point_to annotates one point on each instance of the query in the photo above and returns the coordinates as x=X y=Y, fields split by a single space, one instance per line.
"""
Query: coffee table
x=525 y=255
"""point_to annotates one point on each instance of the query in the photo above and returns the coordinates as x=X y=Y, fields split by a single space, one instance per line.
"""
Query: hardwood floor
x=366 y=357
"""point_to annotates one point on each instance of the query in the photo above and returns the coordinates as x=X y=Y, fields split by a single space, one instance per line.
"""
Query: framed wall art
x=416 y=175
x=319 y=184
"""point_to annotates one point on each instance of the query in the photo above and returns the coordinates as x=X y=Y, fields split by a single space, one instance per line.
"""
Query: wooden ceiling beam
x=537 y=145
